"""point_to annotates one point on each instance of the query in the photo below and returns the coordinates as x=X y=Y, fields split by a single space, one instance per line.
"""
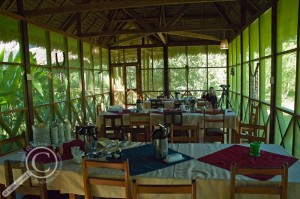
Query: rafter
x=52 y=17
x=161 y=18
x=189 y=18
x=109 y=25
x=10 y=5
x=178 y=15
x=109 y=5
x=194 y=35
x=68 y=23
x=161 y=21
x=78 y=24
x=155 y=30
x=129 y=39
x=221 y=11
x=140 y=20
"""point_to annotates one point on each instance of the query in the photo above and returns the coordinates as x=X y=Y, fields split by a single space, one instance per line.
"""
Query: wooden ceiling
x=134 y=22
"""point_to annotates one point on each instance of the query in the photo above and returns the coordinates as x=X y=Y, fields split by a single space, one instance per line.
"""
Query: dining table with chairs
x=207 y=164
x=188 y=118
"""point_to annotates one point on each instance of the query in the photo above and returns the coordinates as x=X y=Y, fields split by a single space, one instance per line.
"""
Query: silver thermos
x=90 y=138
x=160 y=141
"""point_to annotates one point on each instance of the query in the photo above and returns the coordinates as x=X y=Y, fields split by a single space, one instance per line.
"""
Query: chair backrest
x=19 y=139
x=112 y=125
x=93 y=180
x=254 y=113
x=172 y=117
x=139 y=119
x=28 y=187
x=214 y=119
x=252 y=133
x=156 y=103
x=200 y=103
x=135 y=134
x=259 y=187
x=188 y=133
x=164 y=189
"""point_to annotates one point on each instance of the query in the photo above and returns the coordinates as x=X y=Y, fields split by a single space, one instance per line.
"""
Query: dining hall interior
x=166 y=99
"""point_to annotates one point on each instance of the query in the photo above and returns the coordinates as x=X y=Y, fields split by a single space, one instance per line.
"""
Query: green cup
x=255 y=149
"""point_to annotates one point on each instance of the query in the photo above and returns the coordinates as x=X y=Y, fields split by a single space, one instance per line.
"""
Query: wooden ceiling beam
x=109 y=5
x=11 y=4
x=109 y=25
x=194 y=35
x=1 y=3
x=178 y=15
x=52 y=17
x=68 y=23
x=129 y=39
x=222 y=13
x=171 y=22
x=162 y=17
x=189 y=18
x=155 y=30
x=78 y=24
x=140 y=20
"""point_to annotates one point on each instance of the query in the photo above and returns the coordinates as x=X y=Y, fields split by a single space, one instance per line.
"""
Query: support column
x=273 y=73
x=166 y=73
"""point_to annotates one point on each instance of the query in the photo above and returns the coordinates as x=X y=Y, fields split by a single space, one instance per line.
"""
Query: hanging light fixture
x=95 y=49
x=224 y=42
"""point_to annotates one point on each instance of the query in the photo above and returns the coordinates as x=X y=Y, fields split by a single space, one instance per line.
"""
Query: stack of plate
x=41 y=135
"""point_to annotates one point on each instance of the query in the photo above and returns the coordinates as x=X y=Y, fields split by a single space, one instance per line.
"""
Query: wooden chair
x=254 y=113
x=164 y=189
x=27 y=188
x=172 y=117
x=91 y=180
x=155 y=104
x=214 y=126
x=135 y=134
x=200 y=103
x=191 y=133
x=252 y=133
x=259 y=187
x=141 y=120
x=19 y=139
x=112 y=125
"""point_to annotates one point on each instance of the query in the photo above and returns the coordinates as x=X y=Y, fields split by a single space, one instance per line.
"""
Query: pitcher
x=160 y=142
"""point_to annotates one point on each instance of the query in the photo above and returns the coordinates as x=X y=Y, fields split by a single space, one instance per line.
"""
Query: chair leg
x=2 y=187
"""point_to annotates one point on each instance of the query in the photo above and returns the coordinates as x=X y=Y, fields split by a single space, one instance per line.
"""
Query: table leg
x=72 y=196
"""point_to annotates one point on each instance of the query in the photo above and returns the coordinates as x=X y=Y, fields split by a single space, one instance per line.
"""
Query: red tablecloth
x=240 y=155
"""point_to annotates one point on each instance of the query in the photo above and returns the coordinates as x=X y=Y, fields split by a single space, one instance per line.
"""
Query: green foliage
x=10 y=82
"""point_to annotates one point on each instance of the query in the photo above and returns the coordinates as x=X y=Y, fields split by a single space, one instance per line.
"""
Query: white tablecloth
x=211 y=181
